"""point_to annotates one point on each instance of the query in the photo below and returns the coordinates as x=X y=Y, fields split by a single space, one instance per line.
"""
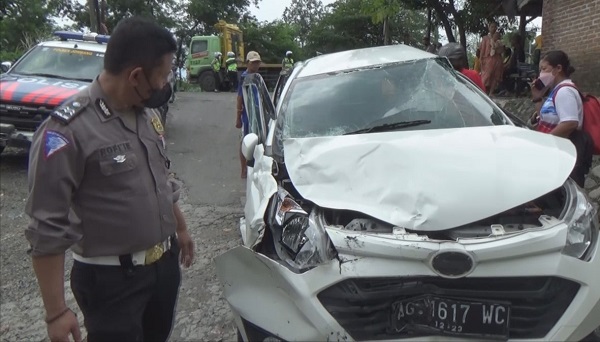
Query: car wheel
x=239 y=336
x=2 y=149
x=207 y=81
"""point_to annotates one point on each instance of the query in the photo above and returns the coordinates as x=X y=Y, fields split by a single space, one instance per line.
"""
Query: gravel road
x=202 y=314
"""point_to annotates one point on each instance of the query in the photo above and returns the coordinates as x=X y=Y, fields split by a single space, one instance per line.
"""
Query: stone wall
x=523 y=108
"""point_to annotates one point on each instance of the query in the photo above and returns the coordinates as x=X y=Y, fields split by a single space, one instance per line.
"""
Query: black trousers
x=128 y=303
x=233 y=78
x=217 y=80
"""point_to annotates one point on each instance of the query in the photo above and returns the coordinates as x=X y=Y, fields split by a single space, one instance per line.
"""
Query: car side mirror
x=5 y=66
x=248 y=145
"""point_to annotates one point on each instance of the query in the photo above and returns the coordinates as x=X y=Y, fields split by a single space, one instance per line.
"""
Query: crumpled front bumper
x=267 y=297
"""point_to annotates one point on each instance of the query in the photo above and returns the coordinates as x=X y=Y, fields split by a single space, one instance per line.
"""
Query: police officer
x=99 y=185
x=288 y=62
x=232 y=73
x=216 y=67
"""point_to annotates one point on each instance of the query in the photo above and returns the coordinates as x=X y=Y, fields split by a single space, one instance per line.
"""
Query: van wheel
x=207 y=82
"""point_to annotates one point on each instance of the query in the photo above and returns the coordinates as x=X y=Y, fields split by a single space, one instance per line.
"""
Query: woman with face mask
x=561 y=113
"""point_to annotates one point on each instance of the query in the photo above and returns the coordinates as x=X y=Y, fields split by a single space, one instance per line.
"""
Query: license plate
x=447 y=316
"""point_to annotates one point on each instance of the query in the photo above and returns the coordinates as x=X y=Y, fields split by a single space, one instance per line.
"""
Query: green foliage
x=351 y=24
x=271 y=40
x=24 y=23
x=303 y=15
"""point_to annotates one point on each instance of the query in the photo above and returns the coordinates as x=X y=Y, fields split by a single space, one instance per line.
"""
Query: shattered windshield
x=426 y=91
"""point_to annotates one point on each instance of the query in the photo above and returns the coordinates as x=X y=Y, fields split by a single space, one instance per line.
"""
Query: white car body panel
x=362 y=58
x=259 y=189
x=462 y=175
x=256 y=281
x=409 y=192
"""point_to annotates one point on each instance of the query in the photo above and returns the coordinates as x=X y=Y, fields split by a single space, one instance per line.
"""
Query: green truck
x=203 y=48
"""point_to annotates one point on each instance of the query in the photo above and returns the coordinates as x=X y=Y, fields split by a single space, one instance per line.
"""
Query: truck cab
x=202 y=50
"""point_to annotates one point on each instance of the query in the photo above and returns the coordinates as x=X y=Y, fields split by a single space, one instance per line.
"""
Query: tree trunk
x=386 y=31
x=429 y=21
x=93 y=15
x=439 y=10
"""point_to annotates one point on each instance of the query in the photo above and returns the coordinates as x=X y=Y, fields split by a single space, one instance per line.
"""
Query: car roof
x=360 y=58
x=83 y=45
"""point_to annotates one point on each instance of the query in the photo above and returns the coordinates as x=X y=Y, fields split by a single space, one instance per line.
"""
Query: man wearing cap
x=99 y=185
x=253 y=64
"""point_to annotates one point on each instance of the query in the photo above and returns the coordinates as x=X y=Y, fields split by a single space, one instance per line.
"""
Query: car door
x=283 y=77
x=260 y=184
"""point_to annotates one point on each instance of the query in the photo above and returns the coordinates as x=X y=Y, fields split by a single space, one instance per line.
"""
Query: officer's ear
x=135 y=76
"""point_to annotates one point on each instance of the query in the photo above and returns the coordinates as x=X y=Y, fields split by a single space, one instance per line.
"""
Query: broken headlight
x=300 y=237
x=581 y=218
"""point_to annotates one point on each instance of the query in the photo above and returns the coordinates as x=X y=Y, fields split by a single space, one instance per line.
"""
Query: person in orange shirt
x=458 y=58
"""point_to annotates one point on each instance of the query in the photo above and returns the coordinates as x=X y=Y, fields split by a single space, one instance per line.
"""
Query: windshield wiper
x=88 y=80
x=45 y=75
x=390 y=126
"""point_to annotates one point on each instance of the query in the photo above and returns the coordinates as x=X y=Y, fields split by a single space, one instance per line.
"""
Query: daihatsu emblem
x=452 y=264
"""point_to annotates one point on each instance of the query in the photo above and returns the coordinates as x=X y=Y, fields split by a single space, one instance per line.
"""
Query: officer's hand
x=238 y=123
x=59 y=330
x=187 y=248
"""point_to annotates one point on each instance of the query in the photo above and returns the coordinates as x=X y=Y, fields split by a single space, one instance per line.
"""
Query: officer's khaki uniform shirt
x=98 y=183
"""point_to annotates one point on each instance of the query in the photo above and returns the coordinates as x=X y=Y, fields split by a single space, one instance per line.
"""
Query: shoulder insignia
x=104 y=109
x=54 y=142
x=70 y=109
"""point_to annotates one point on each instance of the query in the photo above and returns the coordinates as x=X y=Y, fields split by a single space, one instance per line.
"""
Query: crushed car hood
x=429 y=180
x=35 y=90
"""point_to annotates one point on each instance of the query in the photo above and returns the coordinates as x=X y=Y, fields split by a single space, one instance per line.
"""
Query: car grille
x=23 y=117
x=363 y=306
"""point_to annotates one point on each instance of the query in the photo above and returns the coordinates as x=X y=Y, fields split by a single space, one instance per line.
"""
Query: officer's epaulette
x=66 y=112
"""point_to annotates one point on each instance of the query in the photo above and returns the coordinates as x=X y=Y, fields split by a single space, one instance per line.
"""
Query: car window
x=63 y=62
x=429 y=89
x=199 y=46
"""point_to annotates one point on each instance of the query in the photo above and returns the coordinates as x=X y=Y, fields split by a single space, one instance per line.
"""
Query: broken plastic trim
x=300 y=238
x=581 y=218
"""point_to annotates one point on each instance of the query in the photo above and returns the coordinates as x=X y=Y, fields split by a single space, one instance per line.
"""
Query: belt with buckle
x=146 y=257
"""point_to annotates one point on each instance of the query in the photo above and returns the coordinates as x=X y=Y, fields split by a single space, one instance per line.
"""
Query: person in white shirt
x=561 y=113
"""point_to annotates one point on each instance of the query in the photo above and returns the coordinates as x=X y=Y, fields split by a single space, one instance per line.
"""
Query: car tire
x=2 y=149
x=207 y=81
x=239 y=336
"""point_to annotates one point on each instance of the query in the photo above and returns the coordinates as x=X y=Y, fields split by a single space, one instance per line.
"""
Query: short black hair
x=137 y=41
x=559 y=57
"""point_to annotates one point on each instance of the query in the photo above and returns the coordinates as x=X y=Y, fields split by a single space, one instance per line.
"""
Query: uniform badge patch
x=54 y=142
x=104 y=108
x=158 y=127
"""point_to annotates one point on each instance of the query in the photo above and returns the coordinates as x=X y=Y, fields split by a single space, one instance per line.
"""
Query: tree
x=271 y=40
x=303 y=14
x=348 y=24
x=24 y=23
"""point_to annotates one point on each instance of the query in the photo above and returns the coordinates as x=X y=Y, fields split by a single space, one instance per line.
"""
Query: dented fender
x=259 y=190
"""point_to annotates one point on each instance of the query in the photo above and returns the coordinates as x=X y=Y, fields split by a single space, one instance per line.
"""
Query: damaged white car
x=389 y=199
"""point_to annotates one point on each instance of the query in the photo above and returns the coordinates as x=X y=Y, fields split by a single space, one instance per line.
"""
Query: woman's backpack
x=591 y=115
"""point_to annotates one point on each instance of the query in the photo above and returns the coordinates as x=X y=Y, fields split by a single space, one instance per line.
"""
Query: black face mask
x=158 y=97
